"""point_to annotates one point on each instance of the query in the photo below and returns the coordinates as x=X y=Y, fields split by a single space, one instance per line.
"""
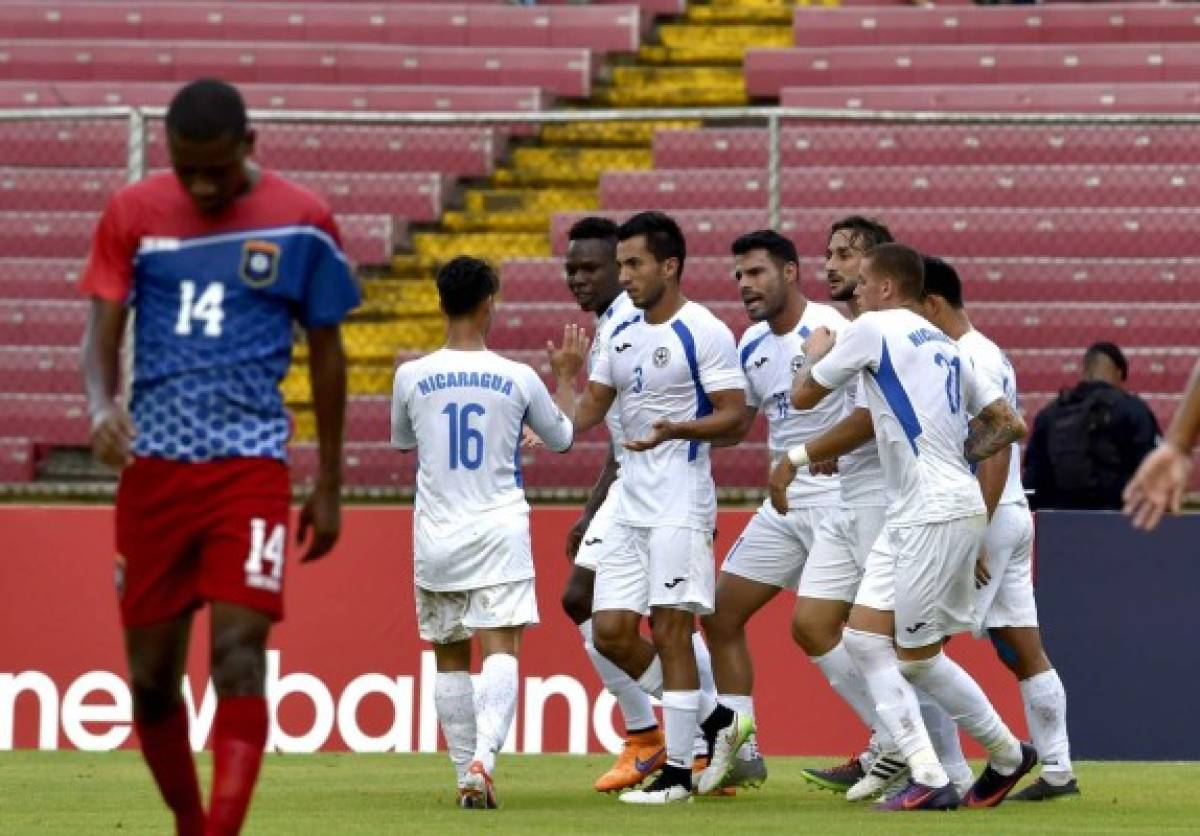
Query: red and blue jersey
x=215 y=301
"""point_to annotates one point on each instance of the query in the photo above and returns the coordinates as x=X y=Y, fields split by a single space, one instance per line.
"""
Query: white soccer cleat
x=725 y=748
x=888 y=771
x=666 y=788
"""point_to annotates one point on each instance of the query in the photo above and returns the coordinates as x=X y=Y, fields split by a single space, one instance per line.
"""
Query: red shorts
x=194 y=532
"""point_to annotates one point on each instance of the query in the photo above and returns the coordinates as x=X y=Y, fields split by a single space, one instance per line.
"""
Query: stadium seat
x=36 y=369
x=898 y=144
x=29 y=323
x=1145 y=325
x=768 y=71
x=563 y=71
x=44 y=279
x=865 y=185
x=58 y=189
x=385 y=97
x=1150 y=369
x=364 y=464
x=16 y=460
x=415 y=197
x=45 y=419
x=1075 y=23
x=61 y=144
x=1016 y=98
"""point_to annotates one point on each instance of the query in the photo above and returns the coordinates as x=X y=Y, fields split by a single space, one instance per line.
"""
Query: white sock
x=635 y=705
x=679 y=718
x=651 y=680
x=895 y=704
x=743 y=704
x=454 y=699
x=704 y=665
x=1046 y=713
x=497 y=703
x=847 y=681
x=943 y=733
x=954 y=690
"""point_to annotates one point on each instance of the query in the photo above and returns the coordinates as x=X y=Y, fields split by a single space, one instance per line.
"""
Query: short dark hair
x=663 y=236
x=942 y=279
x=902 y=264
x=594 y=228
x=780 y=248
x=868 y=232
x=1110 y=350
x=207 y=109
x=463 y=283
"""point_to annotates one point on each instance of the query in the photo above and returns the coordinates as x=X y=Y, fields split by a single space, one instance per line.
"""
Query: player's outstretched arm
x=112 y=430
x=728 y=412
x=739 y=434
x=322 y=511
x=853 y=431
x=1159 y=484
x=995 y=427
x=593 y=406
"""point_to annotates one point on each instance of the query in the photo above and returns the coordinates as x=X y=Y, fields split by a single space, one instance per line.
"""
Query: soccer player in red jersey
x=218 y=258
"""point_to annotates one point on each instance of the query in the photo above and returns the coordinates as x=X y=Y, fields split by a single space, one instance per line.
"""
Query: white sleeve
x=858 y=347
x=753 y=398
x=981 y=386
x=859 y=401
x=403 y=435
x=601 y=371
x=717 y=358
x=543 y=415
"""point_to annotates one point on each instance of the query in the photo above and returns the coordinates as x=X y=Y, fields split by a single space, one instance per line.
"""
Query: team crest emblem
x=260 y=263
x=661 y=356
x=797 y=363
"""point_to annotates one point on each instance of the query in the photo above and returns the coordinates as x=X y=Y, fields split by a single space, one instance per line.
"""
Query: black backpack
x=1084 y=454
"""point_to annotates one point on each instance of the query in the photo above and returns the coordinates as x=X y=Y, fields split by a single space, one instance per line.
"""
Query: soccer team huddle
x=896 y=515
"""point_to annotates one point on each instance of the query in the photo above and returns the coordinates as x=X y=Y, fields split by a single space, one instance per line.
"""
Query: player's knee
x=672 y=633
x=611 y=641
x=723 y=625
x=577 y=602
x=814 y=635
x=153 y=701
x=239 y=666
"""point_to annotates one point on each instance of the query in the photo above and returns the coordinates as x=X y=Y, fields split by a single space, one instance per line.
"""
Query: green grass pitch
x=70 y=792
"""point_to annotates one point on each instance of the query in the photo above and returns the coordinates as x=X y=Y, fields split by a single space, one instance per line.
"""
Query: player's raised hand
x=782 y=475
x=818 y=344
x=1157 y=486
x=568 y=360
x=322 y=513
x=663 y=430
x=112 y=436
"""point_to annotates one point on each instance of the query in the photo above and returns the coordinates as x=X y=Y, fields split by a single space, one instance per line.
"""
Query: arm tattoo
x=993 y=429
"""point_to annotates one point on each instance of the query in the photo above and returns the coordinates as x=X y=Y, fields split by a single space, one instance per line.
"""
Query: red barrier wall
x=347 y=668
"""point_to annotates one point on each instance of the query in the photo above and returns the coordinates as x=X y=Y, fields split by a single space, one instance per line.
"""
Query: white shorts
x=1007 y=599
x=839 y=556
x=666 y=566
x=592 y=544
x=925 y=574
x=445 y=617
x=773 y=548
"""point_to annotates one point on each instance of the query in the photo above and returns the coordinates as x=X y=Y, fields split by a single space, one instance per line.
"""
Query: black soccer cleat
x=1043 y=790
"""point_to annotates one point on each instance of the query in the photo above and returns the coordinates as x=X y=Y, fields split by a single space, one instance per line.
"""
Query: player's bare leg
x=644 y=751
x=737 y=600
x=1021 y=651
x=239 y=670
x=157 y=657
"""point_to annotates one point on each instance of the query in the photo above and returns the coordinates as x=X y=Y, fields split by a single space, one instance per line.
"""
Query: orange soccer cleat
x=644 y=754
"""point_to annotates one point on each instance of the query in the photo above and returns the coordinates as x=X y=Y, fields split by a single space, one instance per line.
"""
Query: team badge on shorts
x=260 y=263
x=662 y=356
x=797 y=363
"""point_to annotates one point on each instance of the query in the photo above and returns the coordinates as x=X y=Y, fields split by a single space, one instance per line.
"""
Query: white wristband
x=798 y=455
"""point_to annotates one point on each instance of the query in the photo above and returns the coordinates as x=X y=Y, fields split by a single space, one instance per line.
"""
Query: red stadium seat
x=1163 y=406
x=58 y=189
x=561 y=71
x=416 y=197
x=898 y=144
x=16 y=460
x=374 y=464
x=29 y=323
x=44 y=279
x=1143 y=324
x=402 y=97
x=40 y=370
x=1070 y=98
x=45 y=419
x=64 y=143
x=1150 y=369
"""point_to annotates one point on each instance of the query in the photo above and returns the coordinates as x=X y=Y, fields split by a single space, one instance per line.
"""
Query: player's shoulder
x=304 y=200
x=817 y=314
x=152 y=194
x=702 y=321
x=752 y=338
x=618 y=315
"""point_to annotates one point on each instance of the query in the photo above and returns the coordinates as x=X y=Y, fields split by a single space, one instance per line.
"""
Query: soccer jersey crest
x=797 y=363
x=260 y=263
x=662 y=355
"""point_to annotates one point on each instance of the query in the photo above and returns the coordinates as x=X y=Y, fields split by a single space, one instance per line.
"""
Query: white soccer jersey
x=769 y=362
x=666 y=372
x=920 y=393
x=991 y=364
x=621 y=309
x=463 y=411
x=861 y=473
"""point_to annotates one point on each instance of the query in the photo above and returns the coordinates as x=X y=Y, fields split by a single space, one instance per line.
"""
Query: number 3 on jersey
x=953 y=380
x=466 y=442
x=209 y=308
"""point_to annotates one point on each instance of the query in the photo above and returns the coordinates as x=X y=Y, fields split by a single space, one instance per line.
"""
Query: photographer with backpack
x=1087 y=443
